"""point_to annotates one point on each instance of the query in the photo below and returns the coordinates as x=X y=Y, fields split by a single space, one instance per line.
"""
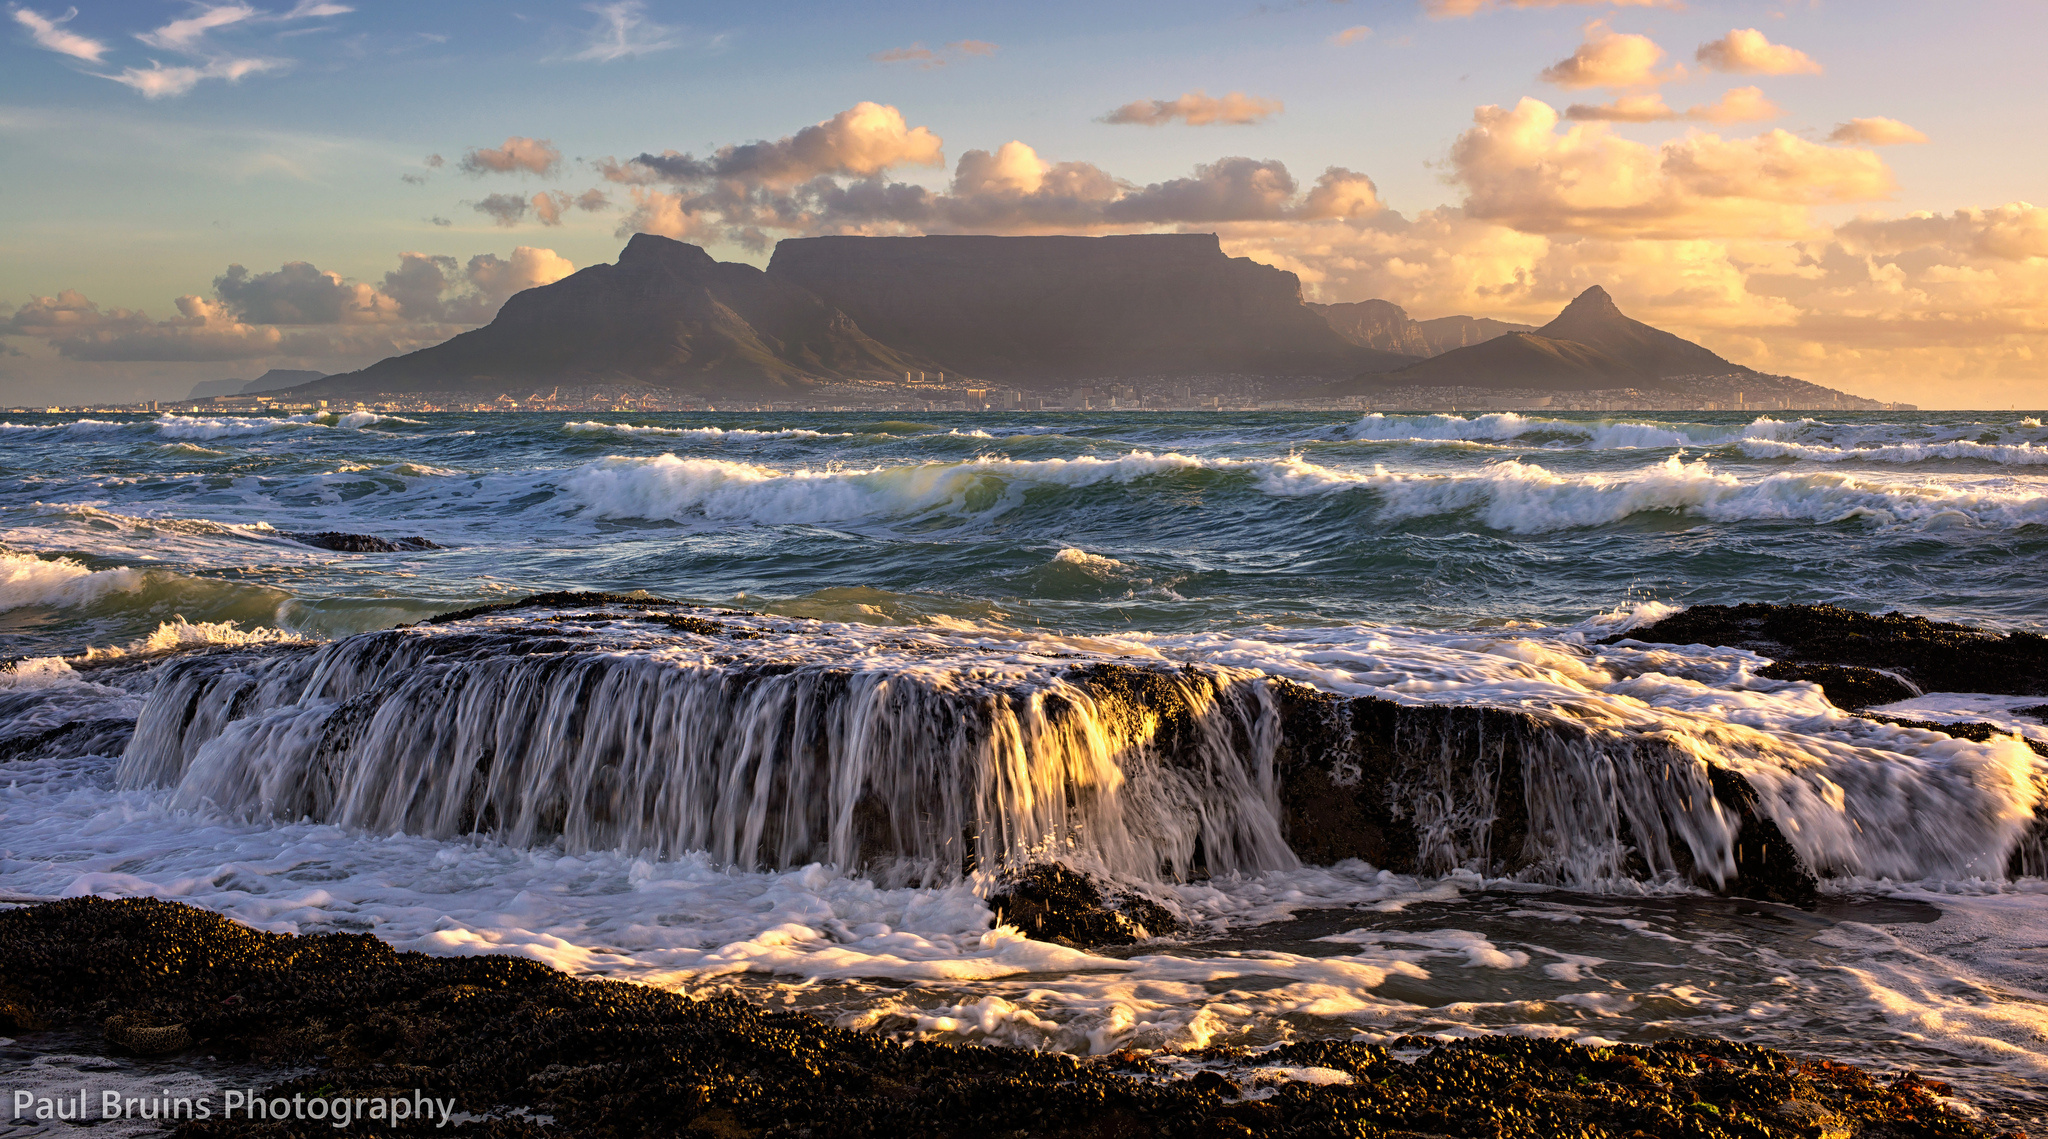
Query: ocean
x=1476 y=560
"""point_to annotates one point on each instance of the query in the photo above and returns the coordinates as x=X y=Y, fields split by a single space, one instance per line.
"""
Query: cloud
x=414 y=179
x=434 y=161
x=297 y=311
x=1518 y=169
x=49 y=34
x=506 y=209
x=185 y=35
x=528 y=155
x=866 y=139
x=1746 y=50
x=157 y=81
x=299 y=293
x=1741 y=105
x=1357 y=33
x=926 y=58
x=592 y=200
x=1608 y=59
x=2014 y=232
x=549 y=205
x=1446 y=9
x=1875 y=132
x=624 y=32
x=1197 y=109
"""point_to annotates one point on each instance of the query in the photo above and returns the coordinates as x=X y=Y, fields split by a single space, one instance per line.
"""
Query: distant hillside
x=1030 y=311
x=276 y=379
x=1388 y=327
x=1591 y=345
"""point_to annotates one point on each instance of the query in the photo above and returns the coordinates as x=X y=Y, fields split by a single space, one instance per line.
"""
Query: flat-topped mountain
x=1024 y=310
x=1591 y=345
x=1388 y=327
x=1035 y=309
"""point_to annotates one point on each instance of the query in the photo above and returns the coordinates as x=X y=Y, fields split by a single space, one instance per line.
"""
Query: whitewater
x=876 y=580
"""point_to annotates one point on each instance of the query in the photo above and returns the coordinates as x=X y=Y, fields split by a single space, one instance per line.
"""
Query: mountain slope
x=1388 y=327
x=1591 y=345
x=667 y=313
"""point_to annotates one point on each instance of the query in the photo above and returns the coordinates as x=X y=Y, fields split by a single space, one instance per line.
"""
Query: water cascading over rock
x=614 y=723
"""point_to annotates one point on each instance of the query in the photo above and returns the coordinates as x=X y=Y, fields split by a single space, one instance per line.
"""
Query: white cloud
x=185 y=35
x=157 y=81
x=1197 y=109
x=624 y=32
x=1748 y=51
x=50 y=35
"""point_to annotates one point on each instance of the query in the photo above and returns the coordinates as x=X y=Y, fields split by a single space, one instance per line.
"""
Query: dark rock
x=1935 y=655
x=138 y=1035
x=1769 y=869
x=79 y=737
x=359 y=543
x=1051 y=902
x=561 y=599
x=539 y=1053
x=1846 y=687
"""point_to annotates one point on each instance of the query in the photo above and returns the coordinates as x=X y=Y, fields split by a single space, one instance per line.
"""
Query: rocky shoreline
x=523 y=1050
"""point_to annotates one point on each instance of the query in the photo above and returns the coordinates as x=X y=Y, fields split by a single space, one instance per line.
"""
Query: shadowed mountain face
x=667 y=314
x=1044 y=309
x=1591 y=345
x=1388 y=327
x=1026 y=310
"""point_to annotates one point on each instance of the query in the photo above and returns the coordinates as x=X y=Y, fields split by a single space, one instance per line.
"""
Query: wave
x=1507 y=426
x=2004 y=454
x=75 y=427
x=715 y=434
x=26 y=580
x=358 y=419
x=667 y=488
x=1512 y=495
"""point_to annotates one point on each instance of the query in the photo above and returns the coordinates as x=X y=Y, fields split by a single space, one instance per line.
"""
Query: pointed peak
x=1594 y=298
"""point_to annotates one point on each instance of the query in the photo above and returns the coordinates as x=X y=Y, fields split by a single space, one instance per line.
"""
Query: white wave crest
x=75 y=427
x=673 y=489
x=1094 y=563
x=2004 y=454
x=59 y=582
x=225 y=426
x=709 y=434
x=367 y=418
x=1506 y=426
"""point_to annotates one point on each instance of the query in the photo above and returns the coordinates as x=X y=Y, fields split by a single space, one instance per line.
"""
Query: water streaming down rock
x=600 y=723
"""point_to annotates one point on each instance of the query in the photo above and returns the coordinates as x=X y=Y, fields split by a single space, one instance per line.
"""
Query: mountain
x=1591 y=345
x=1388 y=327
x=1037 y=310
x=1026 y=310
x=276 y=379
x=665 y=314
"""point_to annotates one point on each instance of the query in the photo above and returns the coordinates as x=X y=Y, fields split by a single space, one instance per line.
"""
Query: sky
x=1832 y=189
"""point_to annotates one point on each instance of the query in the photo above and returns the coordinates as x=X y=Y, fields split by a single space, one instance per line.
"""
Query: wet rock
x=1935 y=655
x=345 y=543
x=1846 y=687
x=105 y=736
x=137 y=1035
x=1051 y=902
x=1767 y=866
x=560 y=599
x=538 y=1053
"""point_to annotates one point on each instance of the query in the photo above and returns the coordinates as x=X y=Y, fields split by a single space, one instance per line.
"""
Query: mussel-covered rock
x=1051 y=902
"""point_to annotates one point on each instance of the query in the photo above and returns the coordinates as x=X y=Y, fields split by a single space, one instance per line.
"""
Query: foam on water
x=712 y=434
x=28 y=580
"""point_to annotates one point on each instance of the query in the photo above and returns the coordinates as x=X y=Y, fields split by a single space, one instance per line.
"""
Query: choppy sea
x=1433 y=558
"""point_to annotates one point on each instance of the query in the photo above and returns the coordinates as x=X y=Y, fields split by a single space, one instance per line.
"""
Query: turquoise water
x=1079 y=522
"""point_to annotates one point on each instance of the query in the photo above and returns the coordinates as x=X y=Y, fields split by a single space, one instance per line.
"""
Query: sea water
x=1420 y=558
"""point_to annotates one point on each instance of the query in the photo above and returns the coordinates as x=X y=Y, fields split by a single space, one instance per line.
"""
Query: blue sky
x=131 y=197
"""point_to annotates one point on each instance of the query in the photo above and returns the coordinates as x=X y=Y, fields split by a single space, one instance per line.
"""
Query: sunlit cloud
x=1197 y=109
x=1609 y=59
x=49 y=34
x=1877 y=131
x=1749 y=52
x=928 y=58
x=157 y=81
x=1741 y=105
x=517 y=155
x=1356 y=34
x=1445 y=9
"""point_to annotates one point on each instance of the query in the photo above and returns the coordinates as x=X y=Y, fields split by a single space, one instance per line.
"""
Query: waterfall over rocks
x=912 y=756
